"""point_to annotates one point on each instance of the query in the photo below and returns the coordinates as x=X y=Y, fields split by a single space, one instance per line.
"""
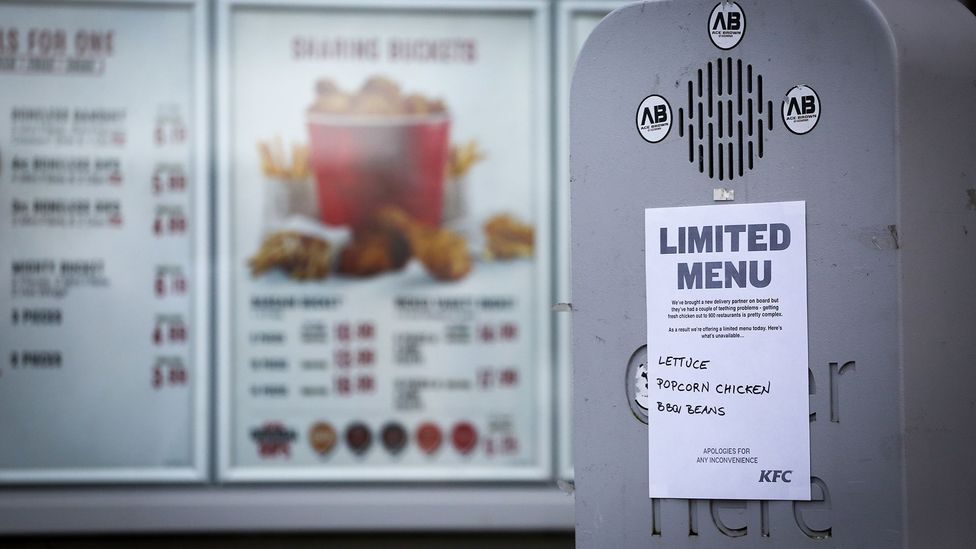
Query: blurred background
x=286 y=274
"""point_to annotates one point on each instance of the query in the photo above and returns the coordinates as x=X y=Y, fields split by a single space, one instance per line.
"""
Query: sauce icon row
x=393 y=436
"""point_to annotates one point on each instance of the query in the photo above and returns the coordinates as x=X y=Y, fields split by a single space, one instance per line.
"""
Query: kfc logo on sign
x=273 y=439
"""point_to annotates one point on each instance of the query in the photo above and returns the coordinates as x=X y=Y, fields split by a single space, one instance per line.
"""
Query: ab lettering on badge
x=803 y=511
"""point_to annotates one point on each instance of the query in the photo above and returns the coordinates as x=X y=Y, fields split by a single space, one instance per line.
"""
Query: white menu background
x=103 y=370
x=278 y=383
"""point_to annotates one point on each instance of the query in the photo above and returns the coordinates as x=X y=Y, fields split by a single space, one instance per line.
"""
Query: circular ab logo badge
x=726 y=25
x=801 y=109
x=654 y=118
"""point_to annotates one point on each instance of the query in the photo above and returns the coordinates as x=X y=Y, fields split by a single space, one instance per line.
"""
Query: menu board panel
x=103 y=245
x=384 y=231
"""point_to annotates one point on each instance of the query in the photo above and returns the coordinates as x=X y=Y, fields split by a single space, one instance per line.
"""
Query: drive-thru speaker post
x=773 y=211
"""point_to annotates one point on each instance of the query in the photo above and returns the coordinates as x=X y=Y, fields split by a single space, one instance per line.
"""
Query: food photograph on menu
x=386 y=230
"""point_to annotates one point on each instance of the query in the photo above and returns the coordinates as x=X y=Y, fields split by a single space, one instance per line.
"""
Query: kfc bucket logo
x=273 y=439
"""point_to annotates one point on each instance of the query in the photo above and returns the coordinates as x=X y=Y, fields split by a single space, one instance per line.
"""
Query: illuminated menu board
x=384 y=212
x=103 y=242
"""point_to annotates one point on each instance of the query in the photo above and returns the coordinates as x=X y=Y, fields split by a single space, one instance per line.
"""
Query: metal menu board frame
x=281 y=509
x=537 y=14
x=567 y=46
x=199 y=277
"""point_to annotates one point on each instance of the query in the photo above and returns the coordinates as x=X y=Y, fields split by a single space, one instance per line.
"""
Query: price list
x=387 y=298
x=101 y=228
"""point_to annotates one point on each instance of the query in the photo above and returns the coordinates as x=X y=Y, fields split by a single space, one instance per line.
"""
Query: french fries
x=462 y=158
x=275 y=164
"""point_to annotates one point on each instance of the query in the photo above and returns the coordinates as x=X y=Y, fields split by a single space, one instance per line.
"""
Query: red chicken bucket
x=363 y=163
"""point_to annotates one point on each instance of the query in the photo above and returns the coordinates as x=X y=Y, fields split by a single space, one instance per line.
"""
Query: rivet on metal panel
x=821 y=503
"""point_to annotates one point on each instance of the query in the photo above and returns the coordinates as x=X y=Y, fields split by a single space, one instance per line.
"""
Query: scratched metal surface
x=845 y=169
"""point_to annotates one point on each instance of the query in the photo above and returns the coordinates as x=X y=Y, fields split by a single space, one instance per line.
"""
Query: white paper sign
x=727 y=352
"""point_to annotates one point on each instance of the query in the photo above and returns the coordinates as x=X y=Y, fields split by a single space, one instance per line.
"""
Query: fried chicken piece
x=394 y=218
x=373 y=251
x=336 y=102
x=382 y=86
x=375 y=104
x=302 y=256
x=436 y=106
x=326 y=86
x=418 y=104
x=443 y=253
x=378 y=96
x=508 y=237
x=415 y=104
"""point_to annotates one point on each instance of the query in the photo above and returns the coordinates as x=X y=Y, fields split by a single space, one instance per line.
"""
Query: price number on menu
x=169 y=132
x=169 y=372
x=9 y=41
x=345 y=331
x=502 y=378
x=505 y=332
x=168 y=179
x=349 y=385
x=345 y=358
x=169 y=281
x=501 y=445
x=169 y=221
x=169 y=331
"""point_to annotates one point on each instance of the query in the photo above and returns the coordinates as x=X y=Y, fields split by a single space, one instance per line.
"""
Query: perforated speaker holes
x=725 y=118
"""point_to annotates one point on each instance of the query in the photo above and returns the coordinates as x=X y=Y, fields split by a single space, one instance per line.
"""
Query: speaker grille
x=725 y=118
